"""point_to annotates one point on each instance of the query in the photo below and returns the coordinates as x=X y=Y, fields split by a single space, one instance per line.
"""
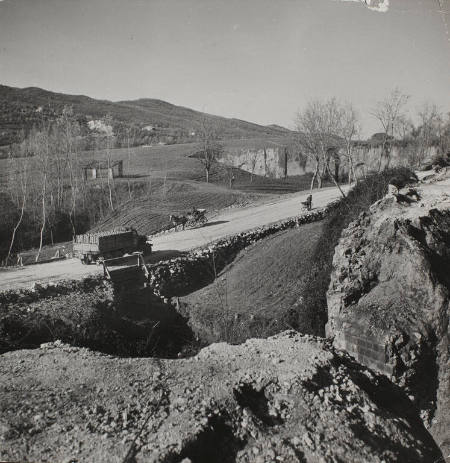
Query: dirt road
x=235 y=221
x=225 y=223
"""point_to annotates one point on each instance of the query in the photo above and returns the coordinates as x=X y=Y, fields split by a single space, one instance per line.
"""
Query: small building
x=103 y=169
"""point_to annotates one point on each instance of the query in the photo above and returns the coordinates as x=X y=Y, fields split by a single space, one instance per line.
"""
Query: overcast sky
x=259 y=60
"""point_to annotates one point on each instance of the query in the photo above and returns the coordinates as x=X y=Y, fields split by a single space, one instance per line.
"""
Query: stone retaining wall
x=182 y=275
x=174 y=277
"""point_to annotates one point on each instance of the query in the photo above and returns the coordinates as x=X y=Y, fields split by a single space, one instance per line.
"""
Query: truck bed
x=105 y=241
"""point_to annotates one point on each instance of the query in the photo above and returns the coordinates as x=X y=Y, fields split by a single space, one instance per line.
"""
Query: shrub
x=441 y=160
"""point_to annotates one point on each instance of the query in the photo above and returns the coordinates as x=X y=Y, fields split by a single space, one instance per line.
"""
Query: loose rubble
x=289 y=398
x=389 y=297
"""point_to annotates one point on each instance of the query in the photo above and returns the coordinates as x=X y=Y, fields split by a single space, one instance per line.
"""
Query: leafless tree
x=253 y=159
x=389 y=113
x=444 y=135
x=428 y=130
x=18 y=180
x=130 y=152
x=68 y=133
x=319 y=130
x=210 y=146
x=42 y=150
x=109 y=144
x=349 y=131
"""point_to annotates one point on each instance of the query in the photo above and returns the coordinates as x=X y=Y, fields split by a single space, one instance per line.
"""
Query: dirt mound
x=389 y=296
x=289 y=398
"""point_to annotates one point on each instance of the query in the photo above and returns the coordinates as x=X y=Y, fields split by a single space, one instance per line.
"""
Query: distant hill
x=154 y=120
x=280 y=128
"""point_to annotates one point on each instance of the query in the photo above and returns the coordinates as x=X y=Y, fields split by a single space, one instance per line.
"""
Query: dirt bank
x=255 y=294
x=389 y=297
x=289 y=398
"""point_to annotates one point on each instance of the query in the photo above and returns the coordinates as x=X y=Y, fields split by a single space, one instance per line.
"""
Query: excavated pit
x=215 y=444
x=131 y=323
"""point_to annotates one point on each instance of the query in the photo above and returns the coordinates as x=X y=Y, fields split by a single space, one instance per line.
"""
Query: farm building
x=103 y=169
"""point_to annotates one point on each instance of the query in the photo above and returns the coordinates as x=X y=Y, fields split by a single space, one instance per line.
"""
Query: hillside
x=21 y=108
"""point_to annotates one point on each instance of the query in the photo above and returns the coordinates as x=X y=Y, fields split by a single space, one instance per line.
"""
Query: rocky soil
x=389 y=297
x=290 y=398
x=92 y=313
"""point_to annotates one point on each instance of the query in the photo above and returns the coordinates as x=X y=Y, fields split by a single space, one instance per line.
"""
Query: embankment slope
x=389 y=297
x=254 y=295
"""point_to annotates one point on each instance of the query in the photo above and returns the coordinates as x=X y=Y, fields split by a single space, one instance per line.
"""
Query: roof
x=103 y=164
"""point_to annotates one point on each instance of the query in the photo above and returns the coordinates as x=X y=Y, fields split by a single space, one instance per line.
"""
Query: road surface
x=225 y=223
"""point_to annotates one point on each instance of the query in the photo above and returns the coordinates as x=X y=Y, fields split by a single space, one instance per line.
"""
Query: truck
x=96 y=247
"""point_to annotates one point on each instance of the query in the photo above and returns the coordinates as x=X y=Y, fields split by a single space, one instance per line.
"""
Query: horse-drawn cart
x=194 y=218
x=197 y=217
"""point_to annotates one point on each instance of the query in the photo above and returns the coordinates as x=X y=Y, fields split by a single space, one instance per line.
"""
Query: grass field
x=174 y=162
x=150 y=212
x=165 y=179
x=254 y=295
x=172 y=182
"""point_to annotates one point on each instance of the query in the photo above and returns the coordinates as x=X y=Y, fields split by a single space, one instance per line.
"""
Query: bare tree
x=210 y=146
x=319 y=129
x=130 y=141
x=109 y=144
x=68 y=135
x=349 y=131
x=41 y=147
x=253 y=159
x=428 y=130
x=18 y=180
x=389 y=113
x=444 y=135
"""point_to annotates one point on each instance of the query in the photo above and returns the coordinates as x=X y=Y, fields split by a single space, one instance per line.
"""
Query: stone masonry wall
x=182 y=275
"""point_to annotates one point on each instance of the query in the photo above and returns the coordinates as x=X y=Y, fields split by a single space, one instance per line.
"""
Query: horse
x=176 y=220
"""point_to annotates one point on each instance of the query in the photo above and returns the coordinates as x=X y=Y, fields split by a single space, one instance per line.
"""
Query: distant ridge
x=21 y=108
x=279 y=127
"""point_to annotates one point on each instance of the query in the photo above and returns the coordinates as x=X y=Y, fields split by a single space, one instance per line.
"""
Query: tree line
x=329 y=129
x=49 y=197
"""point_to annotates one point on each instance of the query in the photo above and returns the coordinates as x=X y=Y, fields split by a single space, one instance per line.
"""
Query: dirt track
x=226 y=223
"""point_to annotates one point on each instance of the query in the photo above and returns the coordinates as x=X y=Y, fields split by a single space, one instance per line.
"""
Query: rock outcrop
x=290 y=398
x=389 y=297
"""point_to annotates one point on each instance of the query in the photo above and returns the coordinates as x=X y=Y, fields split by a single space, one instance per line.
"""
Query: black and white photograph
x=224 y=231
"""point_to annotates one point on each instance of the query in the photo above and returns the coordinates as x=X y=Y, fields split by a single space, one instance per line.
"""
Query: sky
x=257 y=60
